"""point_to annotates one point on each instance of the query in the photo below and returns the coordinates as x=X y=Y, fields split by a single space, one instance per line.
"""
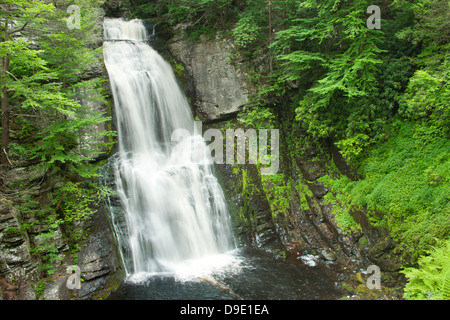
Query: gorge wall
x=220 y=86
x=21 y=274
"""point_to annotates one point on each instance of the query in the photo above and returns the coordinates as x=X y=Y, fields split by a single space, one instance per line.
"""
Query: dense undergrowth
x=405 y=187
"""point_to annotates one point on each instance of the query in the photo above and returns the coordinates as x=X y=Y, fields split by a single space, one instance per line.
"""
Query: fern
x=431 y=280
x=445 y=289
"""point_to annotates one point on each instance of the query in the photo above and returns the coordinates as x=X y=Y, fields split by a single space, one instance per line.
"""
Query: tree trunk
x=270 y=35
x=5 y=106
x=5 y=127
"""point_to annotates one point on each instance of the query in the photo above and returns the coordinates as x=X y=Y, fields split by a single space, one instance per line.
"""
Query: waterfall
x=175 y=209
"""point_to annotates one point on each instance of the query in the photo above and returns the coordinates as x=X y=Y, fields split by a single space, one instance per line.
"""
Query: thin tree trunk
x=5 y=107
x=5 y=127
x=270 y=36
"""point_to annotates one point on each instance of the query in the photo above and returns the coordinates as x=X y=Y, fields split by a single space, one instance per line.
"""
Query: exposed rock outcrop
x=17 y=266
x=21 y=264
x=221 y=85
x=98 y=260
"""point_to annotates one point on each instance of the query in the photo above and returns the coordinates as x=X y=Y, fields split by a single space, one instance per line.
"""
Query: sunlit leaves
x=246 y=32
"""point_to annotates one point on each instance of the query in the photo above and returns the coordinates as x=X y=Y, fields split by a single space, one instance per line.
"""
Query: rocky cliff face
x=21 y=265
x=17 y=266
x=221 y=85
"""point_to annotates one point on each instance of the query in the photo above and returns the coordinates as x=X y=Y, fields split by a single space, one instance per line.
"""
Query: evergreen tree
x=16 y=58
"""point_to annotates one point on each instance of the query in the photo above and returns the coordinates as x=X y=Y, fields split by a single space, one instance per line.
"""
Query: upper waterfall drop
x=175 y=209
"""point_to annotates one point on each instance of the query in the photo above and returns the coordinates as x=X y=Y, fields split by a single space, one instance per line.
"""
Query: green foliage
x=257 y=118
x=39 y=290
x=48 y=251
x=427 y=100
x=406 y=183
x=430 y=31
x=246 y=32
x=341 y=203
x=198 y=16
x=431 y=279
x=69 y=52
x=246 y=214
x=12 y=231
x=342 y=102
x=346 y=81
x=55 y=127
x=428 y=94
x=24 y=10
x=304 y=193
x=381 y=96
x=277 y=191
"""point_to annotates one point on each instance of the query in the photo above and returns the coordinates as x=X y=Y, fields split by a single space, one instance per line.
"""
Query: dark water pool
x=260 y=277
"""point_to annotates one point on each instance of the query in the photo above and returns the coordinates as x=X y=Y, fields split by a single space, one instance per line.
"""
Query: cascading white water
x=175 y=208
